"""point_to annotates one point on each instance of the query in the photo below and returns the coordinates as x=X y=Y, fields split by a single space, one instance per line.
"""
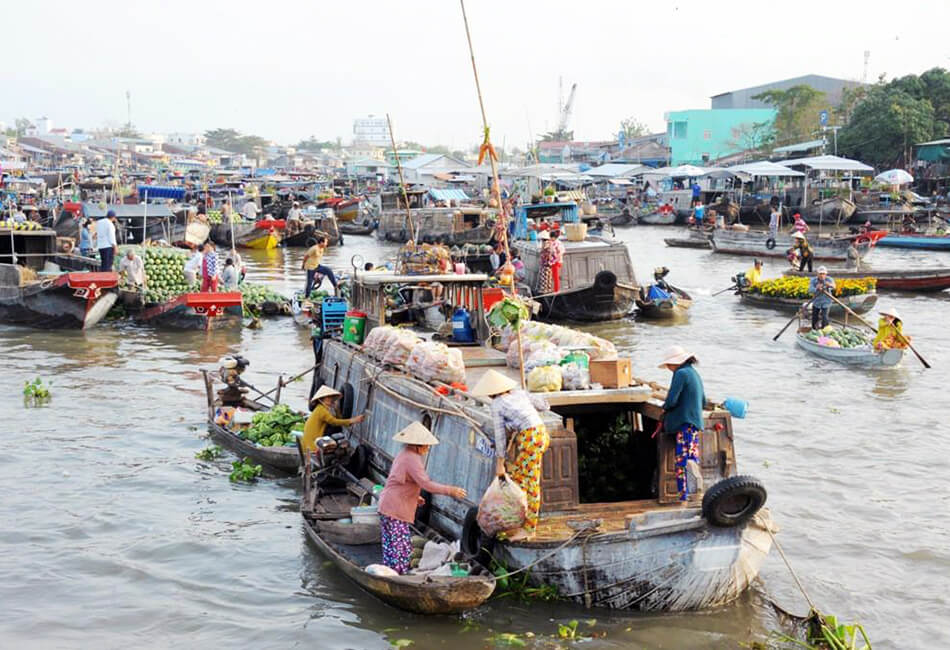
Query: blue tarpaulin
x=447 y=195
x=161 y=192
x=656 y=293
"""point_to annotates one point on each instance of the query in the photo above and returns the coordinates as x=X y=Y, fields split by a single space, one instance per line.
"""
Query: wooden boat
x=352 y=548
x=281 y=461
x=597 y=280
x=658 y=218
x=760 y=244
x=694 y=239
x=453 y=226
x=345 y=209
x=863 y=356
x=676 y=306
x=201 y=311
x=833 y=210
x=366 y=227
x=647 y=551
x=323 y=222
x=625 y=218
x=923 y=279
x=248 y=234
x=859 y=303
x=32 y=297
x=920 y=242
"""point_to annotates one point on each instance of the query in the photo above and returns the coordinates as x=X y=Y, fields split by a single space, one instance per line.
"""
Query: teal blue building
x=699 y=136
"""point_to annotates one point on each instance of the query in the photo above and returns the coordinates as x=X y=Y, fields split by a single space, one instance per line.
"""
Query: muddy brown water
x=115 y=535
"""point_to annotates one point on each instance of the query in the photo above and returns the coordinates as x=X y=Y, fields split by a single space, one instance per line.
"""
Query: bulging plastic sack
x=504 y=506
x=545 y=379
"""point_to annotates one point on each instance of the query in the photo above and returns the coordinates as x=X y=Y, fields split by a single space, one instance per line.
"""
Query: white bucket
x=365 y=514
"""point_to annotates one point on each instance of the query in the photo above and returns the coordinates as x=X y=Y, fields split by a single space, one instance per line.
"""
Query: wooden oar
x=874 y=329
x=797 y=315
x=725 y=290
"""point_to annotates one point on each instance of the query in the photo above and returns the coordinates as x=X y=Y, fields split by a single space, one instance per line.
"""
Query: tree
x=886 y=123
x=21 y=124
x=752 y=136
x=128 y=131
x=232 y=140
x=633 y=128
x=797 y=112
x=312 y=144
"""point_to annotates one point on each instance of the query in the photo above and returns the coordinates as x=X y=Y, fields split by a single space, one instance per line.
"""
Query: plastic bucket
x=736 y=407
x=364 y=514
x=354 y=327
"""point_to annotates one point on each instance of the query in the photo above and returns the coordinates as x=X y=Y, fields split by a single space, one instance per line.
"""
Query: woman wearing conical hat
x=890 y=331
x=324 y=407
x=515 y=411
x=402 y=495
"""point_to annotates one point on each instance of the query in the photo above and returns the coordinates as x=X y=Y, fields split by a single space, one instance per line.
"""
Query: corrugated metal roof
x=800 y=146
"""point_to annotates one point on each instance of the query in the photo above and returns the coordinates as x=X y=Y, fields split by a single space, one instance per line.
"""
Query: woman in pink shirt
x=401 y=496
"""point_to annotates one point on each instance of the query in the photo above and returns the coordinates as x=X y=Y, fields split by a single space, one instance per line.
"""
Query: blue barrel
x=462 y=331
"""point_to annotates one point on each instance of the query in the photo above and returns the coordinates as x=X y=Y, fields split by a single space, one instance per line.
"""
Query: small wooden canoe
x=923 y=279
x=696 y=239
x=421 y=594
x=920 y=242
x=658 y=218
x=860 y=303
x=189 y=311
x=676 y=306
x=860 y=356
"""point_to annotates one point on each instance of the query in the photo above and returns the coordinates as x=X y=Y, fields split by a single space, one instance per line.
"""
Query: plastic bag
x=399 y=346
x=371 y=345
x=575 y=376
x=380 y=570
x=503 y=507
x=545 y=379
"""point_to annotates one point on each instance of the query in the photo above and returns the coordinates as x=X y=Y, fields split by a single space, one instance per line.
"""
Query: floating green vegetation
x=36 y=393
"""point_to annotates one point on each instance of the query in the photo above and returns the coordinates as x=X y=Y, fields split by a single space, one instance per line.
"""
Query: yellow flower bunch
x=797 y=287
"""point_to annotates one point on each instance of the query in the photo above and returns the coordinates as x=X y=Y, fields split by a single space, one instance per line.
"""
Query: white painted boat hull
x=862 y=356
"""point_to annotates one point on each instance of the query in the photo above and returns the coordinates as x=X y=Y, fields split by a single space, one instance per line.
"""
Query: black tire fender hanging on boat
x=605 y=280
x=474 y=542
x=424 y=511
x=347 y=401
x=402 y=235
x=733 y=501
x=358 y=464
x=770 y=243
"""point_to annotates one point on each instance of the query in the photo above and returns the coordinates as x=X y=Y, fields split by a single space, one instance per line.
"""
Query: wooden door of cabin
x=559 y=486
x=716 y=454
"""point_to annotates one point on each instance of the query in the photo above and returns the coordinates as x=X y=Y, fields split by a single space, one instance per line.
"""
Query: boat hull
x=864 y=356
x=920 y=242
x=658 y=219
x=592 y=303
x=836 y=210
x=667 y=309
x=194 y=311
x=860 y=304
x=71 y=301
x=935 y=279
x=277 y=460
x=755 y=243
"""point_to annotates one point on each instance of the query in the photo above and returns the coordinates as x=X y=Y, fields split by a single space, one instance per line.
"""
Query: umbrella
x=894 y=177
x=686 y=170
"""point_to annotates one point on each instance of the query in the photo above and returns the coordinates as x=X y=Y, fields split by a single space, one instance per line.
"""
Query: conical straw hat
x=493 y=383
x=416 y=434
x=326 y=391
x=890 y=311
x=675 y=356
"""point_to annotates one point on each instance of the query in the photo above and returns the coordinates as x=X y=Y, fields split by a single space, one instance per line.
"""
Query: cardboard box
x=611 y=373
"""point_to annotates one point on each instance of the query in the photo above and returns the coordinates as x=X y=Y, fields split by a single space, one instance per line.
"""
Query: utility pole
x=128 y=107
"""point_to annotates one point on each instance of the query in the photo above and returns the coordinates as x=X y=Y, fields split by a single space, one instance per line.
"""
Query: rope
x=790 y=569
x=542 y=558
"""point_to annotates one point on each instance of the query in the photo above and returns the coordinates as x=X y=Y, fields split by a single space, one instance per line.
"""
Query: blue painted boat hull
x=924 y=242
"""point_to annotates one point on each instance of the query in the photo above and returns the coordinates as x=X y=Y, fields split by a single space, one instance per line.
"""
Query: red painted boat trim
x=271 y=224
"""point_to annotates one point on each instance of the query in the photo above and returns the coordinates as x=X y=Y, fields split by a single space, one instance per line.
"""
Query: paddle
x=874 y=329
x=797 y=315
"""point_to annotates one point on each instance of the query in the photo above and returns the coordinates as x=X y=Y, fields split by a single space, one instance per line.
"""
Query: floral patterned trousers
x=397 y=543
x=530 y=446
x=687 y=449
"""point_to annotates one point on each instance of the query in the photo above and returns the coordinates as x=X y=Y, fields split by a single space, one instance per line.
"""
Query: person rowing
x=890 y=331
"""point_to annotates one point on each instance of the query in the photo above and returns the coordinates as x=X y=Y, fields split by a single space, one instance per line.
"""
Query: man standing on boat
x=312 y=265
x=821 y=286
x=250 y=209
x=106 y=240
x=683 y=417
x=774 y=220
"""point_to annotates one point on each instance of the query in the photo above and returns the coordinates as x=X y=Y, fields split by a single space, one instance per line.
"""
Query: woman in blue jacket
x=683 y=412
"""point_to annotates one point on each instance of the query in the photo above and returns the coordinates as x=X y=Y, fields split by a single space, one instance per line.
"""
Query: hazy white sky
x=288 y=70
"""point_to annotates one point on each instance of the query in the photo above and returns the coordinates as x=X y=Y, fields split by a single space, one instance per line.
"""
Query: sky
x=286 y=70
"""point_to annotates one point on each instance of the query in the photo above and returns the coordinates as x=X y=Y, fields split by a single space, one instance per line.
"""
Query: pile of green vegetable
x=165 y=273
x=274 y=428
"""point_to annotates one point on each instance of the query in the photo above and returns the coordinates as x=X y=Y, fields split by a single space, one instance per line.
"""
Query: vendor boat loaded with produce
x=621 y=519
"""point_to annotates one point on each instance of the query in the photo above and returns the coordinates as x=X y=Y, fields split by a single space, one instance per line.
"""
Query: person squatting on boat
x=683 y=415
x=312 y=265
x=803 y=251
x=890 y=331
x=821 y=286
x=324 y=407
x=515 y=411
x=133 y=268
x=402 y=495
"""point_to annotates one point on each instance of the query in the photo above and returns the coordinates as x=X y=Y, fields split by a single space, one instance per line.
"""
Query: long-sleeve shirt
x=317 y=423
x=407 y=478
x=815 y=286
x=685 y=399
x=134 y=269
x=85 y=239
x=229 y=277
x=753 y=275
x=105 y=234
x=514 y=412
x=888 y=334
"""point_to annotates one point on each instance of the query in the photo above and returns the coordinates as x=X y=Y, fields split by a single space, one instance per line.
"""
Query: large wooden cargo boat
x=919 y=279
x=760 y=244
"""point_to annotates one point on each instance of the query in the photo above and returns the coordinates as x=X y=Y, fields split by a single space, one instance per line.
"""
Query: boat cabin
x=29 y=248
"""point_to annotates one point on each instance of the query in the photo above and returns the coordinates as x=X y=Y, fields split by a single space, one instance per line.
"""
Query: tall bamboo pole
x=402 y=182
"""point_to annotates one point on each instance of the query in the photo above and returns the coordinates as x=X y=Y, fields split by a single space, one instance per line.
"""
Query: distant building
x=699 y=136
x=186 y=139
x=422 y=169
x=556 y=151
x=371 y=130
x=43 y=125
x=743 y=98
x=405 y=155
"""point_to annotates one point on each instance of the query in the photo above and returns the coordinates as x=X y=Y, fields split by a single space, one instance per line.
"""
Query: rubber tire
x=347 y=401
x=733 y=501
x=605 y=280
x=475 y=543
x=770 y=243
x=315 y=384
x=358 y=463
x=424 y=512
x=402 y=236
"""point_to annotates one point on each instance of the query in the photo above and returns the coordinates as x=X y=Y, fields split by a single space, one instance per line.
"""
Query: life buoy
x=733 y=501
x=770 y=243
x=315 y=384
x=605 y=280
x=474 y=542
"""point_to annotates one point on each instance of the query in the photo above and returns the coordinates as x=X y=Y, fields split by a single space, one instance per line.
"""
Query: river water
x=115 y=535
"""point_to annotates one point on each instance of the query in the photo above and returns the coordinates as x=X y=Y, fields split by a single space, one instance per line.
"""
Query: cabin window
x=616 y=456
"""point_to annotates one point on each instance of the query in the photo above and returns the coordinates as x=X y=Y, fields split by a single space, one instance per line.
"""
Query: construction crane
x=564 y=115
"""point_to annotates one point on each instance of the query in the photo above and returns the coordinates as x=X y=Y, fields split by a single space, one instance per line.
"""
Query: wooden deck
x=554 y=528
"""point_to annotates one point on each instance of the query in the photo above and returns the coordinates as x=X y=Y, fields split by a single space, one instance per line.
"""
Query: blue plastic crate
x=333 y=312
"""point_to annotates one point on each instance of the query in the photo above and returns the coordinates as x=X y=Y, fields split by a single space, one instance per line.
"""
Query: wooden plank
x=632 y=395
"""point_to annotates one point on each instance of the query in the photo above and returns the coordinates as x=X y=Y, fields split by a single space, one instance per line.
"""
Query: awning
x=763 y=168
x=161 y=192
x=448 y=194
x=800 y=146
x=571 y=195
x=829 y=163
x=619 y=181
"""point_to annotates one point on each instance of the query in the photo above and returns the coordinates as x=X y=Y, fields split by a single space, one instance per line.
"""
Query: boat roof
x=384 y=277
x=589 y=243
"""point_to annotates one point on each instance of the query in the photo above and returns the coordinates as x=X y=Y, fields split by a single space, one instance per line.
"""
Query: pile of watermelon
x=165 y=273
x=838 y=337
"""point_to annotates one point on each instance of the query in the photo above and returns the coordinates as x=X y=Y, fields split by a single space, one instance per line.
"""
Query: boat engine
x=232 y=367
x=332 y=449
